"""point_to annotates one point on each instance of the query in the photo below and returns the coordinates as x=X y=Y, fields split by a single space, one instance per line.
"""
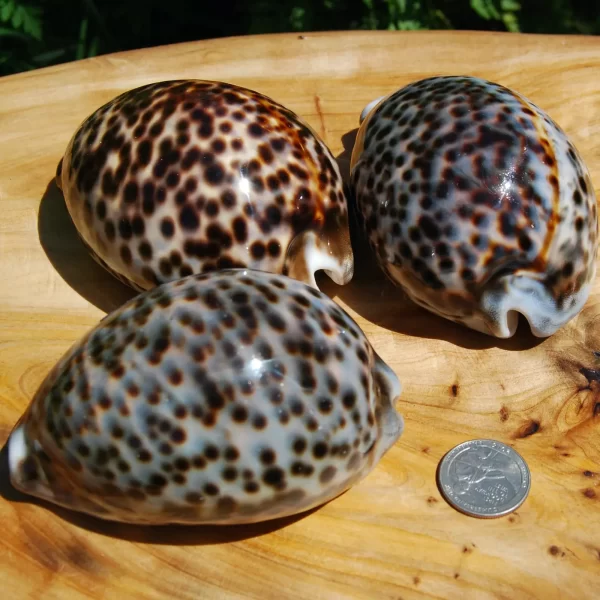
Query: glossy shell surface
x=477 y=204
x=229 y=397
x=182 y=177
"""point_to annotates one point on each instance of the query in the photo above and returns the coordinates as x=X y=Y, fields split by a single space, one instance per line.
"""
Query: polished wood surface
x=392 y=536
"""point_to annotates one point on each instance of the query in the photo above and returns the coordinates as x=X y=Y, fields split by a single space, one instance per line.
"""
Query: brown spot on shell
x=226 y=505
x=194 y=498
x=275 y=477
x=327 y=474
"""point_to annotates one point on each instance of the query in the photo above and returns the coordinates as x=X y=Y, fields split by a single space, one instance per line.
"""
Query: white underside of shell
x=392 y=422
x=369 y=107
x=525 y=295
x=17 y=449
x=319 y=259
x=497 y=313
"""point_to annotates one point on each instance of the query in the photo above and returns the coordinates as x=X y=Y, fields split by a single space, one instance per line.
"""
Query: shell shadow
x=172 y=535
x=70 y=258
x=375 y=298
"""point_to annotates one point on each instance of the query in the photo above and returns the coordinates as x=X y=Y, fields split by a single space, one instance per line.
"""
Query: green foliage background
x=37 y=33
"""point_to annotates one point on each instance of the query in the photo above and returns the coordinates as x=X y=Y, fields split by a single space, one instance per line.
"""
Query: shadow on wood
x=375 y=298
x=70 y=258
x=183 y=535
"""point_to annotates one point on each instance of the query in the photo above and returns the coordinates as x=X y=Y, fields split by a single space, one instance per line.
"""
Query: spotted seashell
x=477 y=205
x=183 y=177
x=228 y=397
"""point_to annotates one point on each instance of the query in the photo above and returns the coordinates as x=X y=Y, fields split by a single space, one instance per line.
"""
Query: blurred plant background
x=38 y=33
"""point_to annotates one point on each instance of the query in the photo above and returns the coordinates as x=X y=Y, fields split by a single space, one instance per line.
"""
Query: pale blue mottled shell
x=224 y=398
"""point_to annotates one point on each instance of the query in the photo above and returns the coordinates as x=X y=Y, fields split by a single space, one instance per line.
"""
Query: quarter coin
x=484 y=478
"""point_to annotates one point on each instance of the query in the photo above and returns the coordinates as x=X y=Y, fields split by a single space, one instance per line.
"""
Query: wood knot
x=589 y=493
x=555 y=551
x=590 y=374
x=504 y=414
x=454 y=390
x=81 y=559
x=528 y=429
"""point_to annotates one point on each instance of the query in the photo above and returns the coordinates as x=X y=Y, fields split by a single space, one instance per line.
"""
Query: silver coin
x=484 y=478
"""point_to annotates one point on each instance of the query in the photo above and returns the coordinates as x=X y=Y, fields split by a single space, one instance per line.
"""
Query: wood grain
x=392 y=536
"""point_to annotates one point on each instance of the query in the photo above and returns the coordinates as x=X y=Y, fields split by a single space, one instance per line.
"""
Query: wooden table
x=392 y=536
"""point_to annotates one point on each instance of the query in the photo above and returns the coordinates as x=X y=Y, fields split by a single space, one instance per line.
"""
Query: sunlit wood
x=392 y=536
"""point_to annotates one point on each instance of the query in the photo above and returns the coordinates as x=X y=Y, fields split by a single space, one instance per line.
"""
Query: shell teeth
x=343 y=273
x=308 y=254
x=317 y=259
x=528 y=296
